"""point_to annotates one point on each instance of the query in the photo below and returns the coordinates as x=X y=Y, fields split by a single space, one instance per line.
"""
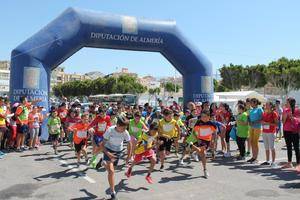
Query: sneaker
x=161 y=167
x=206 y=174
x=55 y=152
x=181 y=162
x=99 y=164
x=176 y=154
x=247 y=153
x=149 y=179
x=128 y=173
x=265 y=163
x=274 y=165
x=250 y=160
x=227 y=155
x=195 y=156
x=240 y=158
x=113 y=196
x=2 y=153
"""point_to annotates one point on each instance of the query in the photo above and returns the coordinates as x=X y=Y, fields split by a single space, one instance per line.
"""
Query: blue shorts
x=219 y=126
x=97 y=139
x=116 y=153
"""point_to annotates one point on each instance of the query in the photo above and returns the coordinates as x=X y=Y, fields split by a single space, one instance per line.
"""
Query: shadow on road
x=60 y=175
x=89 y=195
x=122 y=187
x=271 y=174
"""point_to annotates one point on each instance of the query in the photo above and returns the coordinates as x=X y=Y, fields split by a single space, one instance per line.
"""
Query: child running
x=112 y=148
x=167 y=129
x=80 y=131
x=101 y=123
x=200 y=138
x=144 y=149
x=54 y=127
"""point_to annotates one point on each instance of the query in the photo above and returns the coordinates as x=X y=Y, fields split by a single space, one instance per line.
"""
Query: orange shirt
x=204 y=131
x=80 y=132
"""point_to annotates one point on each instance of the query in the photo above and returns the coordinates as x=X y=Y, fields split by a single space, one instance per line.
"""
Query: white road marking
x=77 y=170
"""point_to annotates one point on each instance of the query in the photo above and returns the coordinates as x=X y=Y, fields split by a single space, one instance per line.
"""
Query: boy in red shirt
x=80 y=130
x=100 y=124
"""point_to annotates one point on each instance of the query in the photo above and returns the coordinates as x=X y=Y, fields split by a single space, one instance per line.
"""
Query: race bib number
x=266 y=126
x=63 y=115
x=101 y=127
x=82 y=134
x=135 y=129
x=168 y=127
x=54 y=128
x=204 y=132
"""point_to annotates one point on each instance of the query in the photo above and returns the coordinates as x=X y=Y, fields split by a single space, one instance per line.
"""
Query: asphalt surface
x=43 y=175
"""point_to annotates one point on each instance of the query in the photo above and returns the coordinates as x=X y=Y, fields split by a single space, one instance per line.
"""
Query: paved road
x=42 y=175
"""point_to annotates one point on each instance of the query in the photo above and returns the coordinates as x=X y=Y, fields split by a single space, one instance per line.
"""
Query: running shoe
x=274 y=165
x=265 y=163
x=161 y=167
x=195 y=156
x=240 y=158
x=181 y=162
x=206 y=174
x=99 y=164
x=149 y=179
x=250 y=160
x=247 y=153
x=227 y=155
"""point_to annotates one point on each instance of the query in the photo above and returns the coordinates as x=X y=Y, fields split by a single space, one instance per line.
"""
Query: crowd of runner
x=152 y=133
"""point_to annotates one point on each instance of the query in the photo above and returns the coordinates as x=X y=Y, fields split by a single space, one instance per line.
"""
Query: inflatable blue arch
x=33 y=60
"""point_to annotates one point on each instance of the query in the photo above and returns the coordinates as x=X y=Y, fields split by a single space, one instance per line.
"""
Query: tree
x=153 y=92
x=233 y=76
x=109 y=85
x=255 y=76
x=284 y=74
x=218 y=87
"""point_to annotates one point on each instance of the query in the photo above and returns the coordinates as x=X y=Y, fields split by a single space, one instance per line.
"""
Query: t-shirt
x=80 y=132
x=224 y=117
x=72 y=121
x=22 y=112
x=62 y=114
x=256 y=115
x=2 y=119
x=136 y=129
x=204 y=130
x=242 y=130
x=270 y=118
x=54 y=125
x=114 y=140
x=145 y=142
x=101 y=125
x=167 y=129
x=289 y=125
x=34 y=120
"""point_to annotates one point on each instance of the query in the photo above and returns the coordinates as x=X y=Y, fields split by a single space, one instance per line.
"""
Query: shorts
x=254 y=134
x=269 y=139
x=166 y=145
x=79 y=146
x=203 y=143
x=53 y=137
x=24 y=129
x=147 y=154
x=34 y=132
x=116 y=153
x=97 y=139
x=40 y=131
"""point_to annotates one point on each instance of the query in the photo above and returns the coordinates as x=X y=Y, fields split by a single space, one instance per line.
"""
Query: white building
x=4 y=77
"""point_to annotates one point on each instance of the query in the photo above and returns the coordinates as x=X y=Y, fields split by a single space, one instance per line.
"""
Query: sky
x=225 y=31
